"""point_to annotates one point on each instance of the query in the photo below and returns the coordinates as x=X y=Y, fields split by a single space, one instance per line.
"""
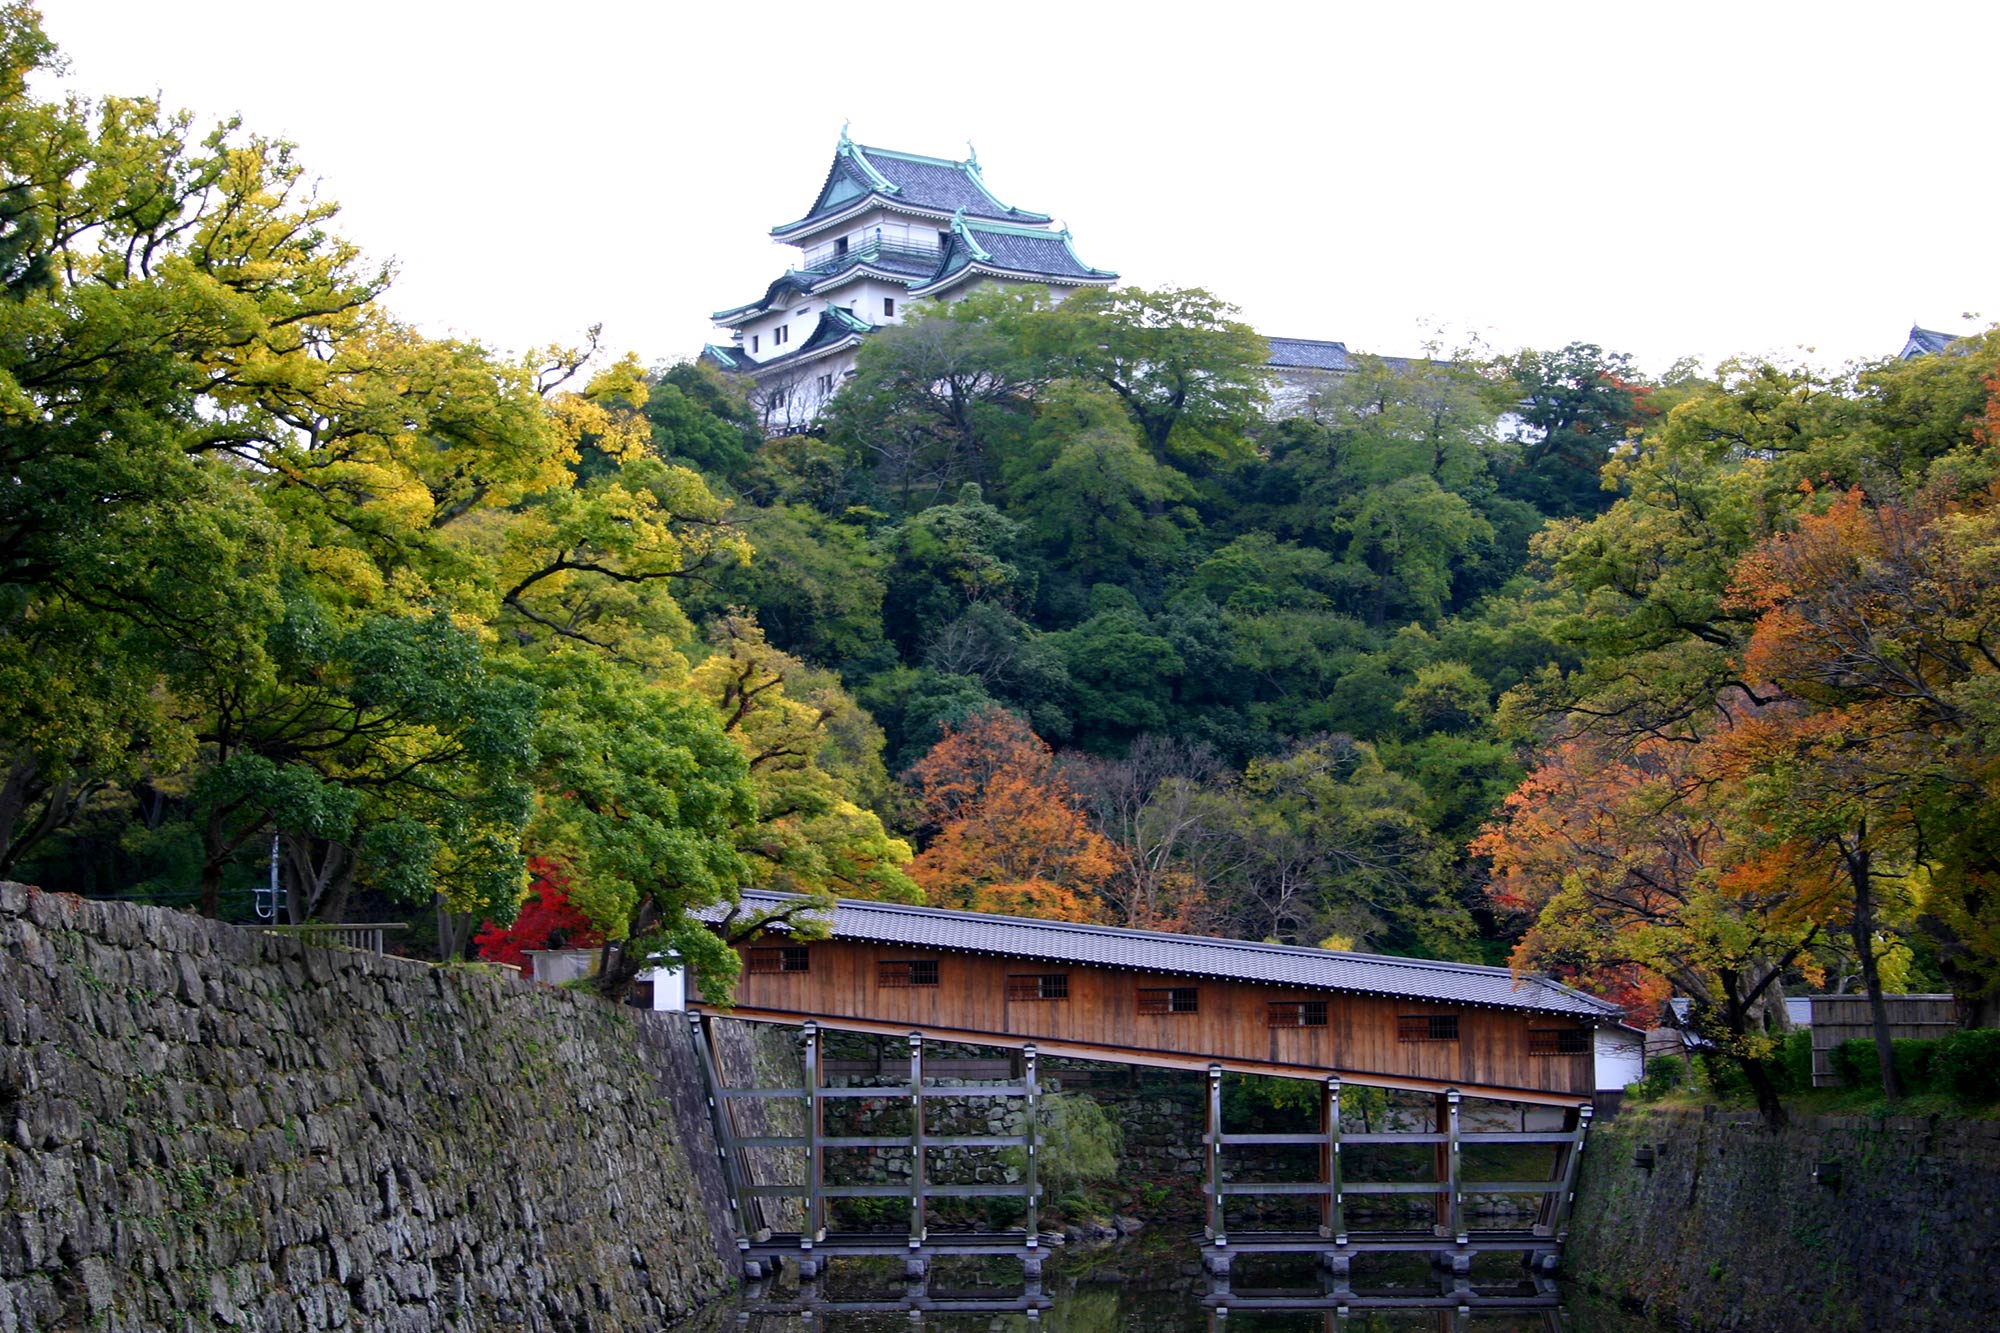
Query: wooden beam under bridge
x=1129 y=1055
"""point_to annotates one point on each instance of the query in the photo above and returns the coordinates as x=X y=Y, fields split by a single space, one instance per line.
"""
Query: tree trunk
x=1768 y=1105
x=1736 y=1020
x=453 y=930
x=620 y=962
x=1859 y=870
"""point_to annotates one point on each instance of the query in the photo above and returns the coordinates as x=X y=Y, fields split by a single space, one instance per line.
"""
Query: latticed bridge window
x=1038 y=986
x=1169 y=999
x=788 y=958
x=1558 y=1041
x=907 y=972
x=1296 y=1014
x=1427 y=1027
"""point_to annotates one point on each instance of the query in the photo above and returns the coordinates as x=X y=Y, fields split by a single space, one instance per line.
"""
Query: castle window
x=888 y=305
x=753 y=342
x=1038 y=986
x=789 y=958
x=1427 y=1027
x=840 y=246
x=915 y=972
x=1169 y=999
x=1296 y=1014
x=1558 y=1041
x=826 y=384
x=781 y=334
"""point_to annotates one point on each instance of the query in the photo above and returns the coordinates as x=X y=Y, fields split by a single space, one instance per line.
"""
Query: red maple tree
x=546 y=921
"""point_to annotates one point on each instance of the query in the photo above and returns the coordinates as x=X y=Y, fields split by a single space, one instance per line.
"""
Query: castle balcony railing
x=831 y=262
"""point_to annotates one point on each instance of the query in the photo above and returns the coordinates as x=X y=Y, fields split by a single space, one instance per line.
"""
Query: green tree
x=1190 y=375
x=642 y=793
x=1093 y=497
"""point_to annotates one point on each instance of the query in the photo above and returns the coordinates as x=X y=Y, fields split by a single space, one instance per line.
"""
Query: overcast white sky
x=1663 y=178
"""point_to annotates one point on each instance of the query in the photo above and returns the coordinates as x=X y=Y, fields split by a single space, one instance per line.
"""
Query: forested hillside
x=1684 y=682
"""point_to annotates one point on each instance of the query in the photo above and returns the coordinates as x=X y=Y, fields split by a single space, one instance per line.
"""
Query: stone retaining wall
x=206 y=1128
x=1730 y=1230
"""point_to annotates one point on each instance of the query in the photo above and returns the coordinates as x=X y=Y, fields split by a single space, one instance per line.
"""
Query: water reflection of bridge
x=921 y=1304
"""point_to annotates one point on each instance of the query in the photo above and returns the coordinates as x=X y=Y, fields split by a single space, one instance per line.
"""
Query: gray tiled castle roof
x=1309 y=354
x=1925 y=342
x=932 y=183
x=1194 y=956
x=1014 y=250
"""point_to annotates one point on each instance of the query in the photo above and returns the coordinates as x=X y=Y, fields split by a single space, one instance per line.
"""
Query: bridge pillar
x=918 y=1227
x=1565 y=1196
x=1215 y=1229
x=740 y=1204
x=1033 y=1130
x=1333 y=1210
x=815 y=1227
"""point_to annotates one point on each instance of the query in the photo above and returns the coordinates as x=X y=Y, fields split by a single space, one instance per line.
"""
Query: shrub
x=1967 y=1064
x=1913 y=1063
x=1080 y=1144
x=1792 y=1062
x=1858 y=1067
x=1721 y=1076
x=1664 y=1073
x=1855 y=1064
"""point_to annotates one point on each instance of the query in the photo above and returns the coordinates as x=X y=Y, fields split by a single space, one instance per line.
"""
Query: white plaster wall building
x=887 y=228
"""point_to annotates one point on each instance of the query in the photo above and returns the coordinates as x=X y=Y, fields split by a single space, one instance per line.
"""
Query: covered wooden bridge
x=1454 y=1033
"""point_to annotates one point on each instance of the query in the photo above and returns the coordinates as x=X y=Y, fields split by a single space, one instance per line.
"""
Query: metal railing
x=828 y=263
x=366 y=936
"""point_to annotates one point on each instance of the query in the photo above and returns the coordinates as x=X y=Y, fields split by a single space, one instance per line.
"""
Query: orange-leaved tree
x=1008 y=832
x=1878 y=629
x=1638 y=856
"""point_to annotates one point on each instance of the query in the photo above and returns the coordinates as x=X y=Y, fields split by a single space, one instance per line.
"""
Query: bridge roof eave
x=1160 y=953
x=1149 y=1058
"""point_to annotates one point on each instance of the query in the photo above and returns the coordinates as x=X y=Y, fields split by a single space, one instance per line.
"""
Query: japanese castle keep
x=886 y=228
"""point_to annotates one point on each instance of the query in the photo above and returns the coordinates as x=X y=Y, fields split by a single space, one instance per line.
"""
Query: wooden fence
x=1839 y=1018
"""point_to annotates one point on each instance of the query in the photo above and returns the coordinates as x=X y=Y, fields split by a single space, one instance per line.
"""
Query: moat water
x=1154 y=1285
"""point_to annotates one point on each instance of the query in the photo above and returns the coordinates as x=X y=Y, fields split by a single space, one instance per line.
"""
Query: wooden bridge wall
x=1230 y=1025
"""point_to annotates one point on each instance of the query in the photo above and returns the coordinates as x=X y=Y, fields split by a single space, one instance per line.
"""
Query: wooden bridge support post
x=1215 y=1229
x=725 y=1138
x=918 y=1227
x=1333 y=1212
x=1455 y=1176
x=1572 y=1163
x=1033 y=1131
x=815 y=1109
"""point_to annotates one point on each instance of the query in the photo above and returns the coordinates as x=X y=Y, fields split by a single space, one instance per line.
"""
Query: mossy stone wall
x=207 y=1128
x=1730 y=1230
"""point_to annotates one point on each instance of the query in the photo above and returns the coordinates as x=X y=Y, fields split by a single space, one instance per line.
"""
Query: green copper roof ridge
x=964 y=233
x=1012 y=228
x=849 y=318
x=858 y=154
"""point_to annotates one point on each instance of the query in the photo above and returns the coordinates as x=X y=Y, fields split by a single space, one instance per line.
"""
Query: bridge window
x=914 y=972
x=1296 y=1014
x=1038 y=986
x=1558 y=1041
x=1427 y=1027
x=790 y=958
x=1169 y=999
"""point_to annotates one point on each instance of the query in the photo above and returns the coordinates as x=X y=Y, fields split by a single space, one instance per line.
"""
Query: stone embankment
x=206 y=1128
x=1837 y=1224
